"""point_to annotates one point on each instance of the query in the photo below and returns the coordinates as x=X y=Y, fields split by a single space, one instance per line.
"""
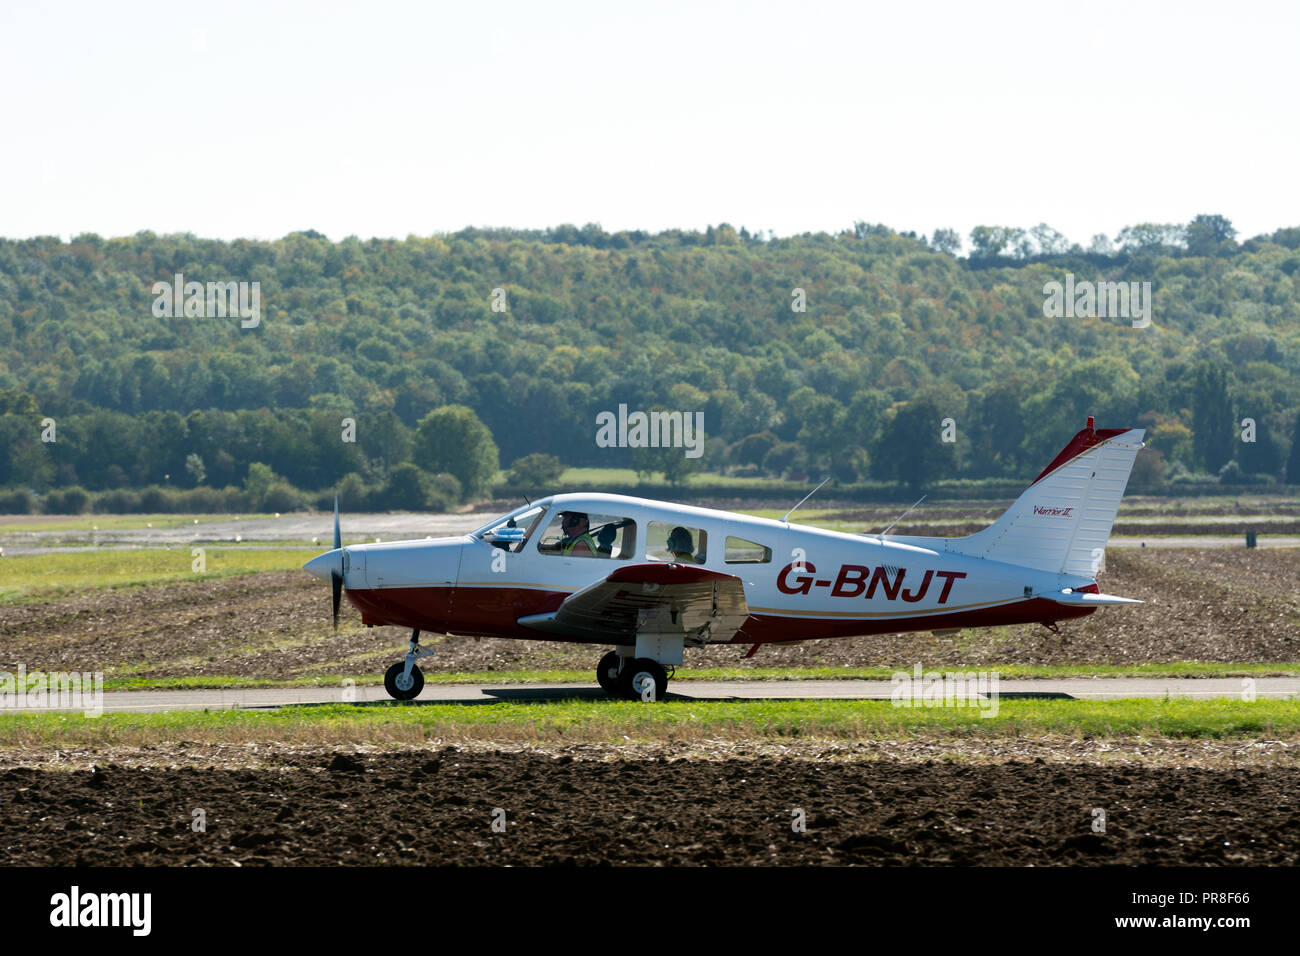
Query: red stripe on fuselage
x=495 y=612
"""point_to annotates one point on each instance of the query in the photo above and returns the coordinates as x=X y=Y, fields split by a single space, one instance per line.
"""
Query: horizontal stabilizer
x=1088 y=598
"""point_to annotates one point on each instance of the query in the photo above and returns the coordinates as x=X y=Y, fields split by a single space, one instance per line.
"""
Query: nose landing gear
x=404 y=680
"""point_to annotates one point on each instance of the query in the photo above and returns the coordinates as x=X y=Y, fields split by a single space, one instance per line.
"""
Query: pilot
x=680 y=546
x=577 y=541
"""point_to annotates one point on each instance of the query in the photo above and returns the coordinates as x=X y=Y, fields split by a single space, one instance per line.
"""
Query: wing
x=678 y=600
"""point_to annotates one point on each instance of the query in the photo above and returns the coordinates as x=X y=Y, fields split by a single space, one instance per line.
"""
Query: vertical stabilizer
x=1062 y=521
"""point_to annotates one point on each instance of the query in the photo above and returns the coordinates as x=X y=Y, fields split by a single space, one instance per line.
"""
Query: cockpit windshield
x=511 y=530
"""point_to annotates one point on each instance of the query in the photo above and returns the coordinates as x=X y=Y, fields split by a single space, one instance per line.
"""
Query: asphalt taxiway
x=1104 y=688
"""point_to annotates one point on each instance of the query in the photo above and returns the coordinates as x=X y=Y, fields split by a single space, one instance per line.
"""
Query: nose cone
x=322 y=566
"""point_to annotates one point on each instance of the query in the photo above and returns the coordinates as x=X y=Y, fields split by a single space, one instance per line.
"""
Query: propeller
x=336 y=577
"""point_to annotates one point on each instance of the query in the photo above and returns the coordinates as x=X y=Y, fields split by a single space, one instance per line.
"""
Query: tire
x=390 y=682
x=634 y=671
x=607 y=674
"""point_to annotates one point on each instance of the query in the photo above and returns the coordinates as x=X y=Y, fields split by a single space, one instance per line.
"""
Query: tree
x=988 y=242
x=257 y=484
x=537 y=471
x=1206 y=234
x=751 y=449
x=1261 y=456
x=1150 y=237
x=910 y=450
x=407 y=488
x=1212 y=423
x=946 y=241
x=1050 y=242
x=194 y=468
x=452 y=439
x=1293 y=461
x=1100 y=245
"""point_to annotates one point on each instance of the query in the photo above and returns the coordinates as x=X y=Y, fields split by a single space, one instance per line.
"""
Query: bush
x=120 y=501
x=1231 y=474
x=203 y=500
x=352 y=493
x=282 y=496
x=444 y=492
x=154 y=500
x=69 y=501
x=20 y=502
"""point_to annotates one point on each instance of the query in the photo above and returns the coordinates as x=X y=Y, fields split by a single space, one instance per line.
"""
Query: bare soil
x=1228 y=605
x=334 y=807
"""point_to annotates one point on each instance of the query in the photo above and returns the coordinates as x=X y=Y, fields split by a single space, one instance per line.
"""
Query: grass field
x=561 y=676
x=31 y=578
x=632 y=722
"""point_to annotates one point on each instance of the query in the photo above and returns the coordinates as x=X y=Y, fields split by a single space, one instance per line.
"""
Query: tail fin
x=1062 y=521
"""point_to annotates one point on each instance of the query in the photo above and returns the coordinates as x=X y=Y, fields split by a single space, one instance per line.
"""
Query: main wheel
x=607 y=673
x=400 y=687
x=632 y=682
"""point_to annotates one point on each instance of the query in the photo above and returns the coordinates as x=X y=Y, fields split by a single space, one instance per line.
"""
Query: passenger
x=605 y=539
x=680 y=546
x=577 y=541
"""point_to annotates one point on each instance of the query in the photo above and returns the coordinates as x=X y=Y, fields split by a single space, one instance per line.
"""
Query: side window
x=580 y=534
x=674 y=542
x=740 y=551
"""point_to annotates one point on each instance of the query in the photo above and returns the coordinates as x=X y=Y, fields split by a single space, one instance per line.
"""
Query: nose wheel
x=404 y=680
x=401 y=685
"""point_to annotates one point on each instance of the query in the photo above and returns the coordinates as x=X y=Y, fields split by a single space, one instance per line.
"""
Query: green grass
x=562 y=676
x=115 y=522
x=624 y=721
x=38 y=577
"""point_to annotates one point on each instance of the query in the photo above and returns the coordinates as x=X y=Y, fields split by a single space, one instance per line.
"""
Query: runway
x=268 y=698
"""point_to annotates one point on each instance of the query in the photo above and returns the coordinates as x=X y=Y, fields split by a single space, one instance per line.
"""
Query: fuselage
x=800 y=582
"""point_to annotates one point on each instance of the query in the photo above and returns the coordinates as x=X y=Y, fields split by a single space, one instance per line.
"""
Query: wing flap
x=697 y=604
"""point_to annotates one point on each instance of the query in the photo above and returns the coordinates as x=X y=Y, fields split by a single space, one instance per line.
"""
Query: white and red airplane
x=653 y=578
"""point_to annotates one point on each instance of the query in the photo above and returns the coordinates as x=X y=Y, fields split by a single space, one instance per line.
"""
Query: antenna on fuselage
x=881 y=536
x=786 y=518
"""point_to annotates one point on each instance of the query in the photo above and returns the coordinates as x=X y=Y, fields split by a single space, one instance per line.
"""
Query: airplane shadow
x=542 y=695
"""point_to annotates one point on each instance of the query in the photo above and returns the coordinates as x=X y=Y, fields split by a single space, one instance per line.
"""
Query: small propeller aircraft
x=651 y=578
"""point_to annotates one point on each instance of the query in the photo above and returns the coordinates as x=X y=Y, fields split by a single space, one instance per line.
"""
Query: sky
x=389 y=118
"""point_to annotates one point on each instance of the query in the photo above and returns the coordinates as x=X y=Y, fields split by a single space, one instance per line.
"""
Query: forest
x=426 y=371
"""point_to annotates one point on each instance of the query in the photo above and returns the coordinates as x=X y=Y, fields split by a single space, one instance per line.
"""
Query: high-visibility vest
x=566 y=547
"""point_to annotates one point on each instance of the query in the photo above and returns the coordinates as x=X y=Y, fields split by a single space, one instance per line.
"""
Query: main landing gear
x=632 y=678
x=404 y=680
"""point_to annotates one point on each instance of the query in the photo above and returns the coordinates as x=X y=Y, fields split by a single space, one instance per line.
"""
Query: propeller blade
x=336 y=585
x=336 y=577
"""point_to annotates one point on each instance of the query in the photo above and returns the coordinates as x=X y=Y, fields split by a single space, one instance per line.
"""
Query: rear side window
x=681 y=544
x=740 y=551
